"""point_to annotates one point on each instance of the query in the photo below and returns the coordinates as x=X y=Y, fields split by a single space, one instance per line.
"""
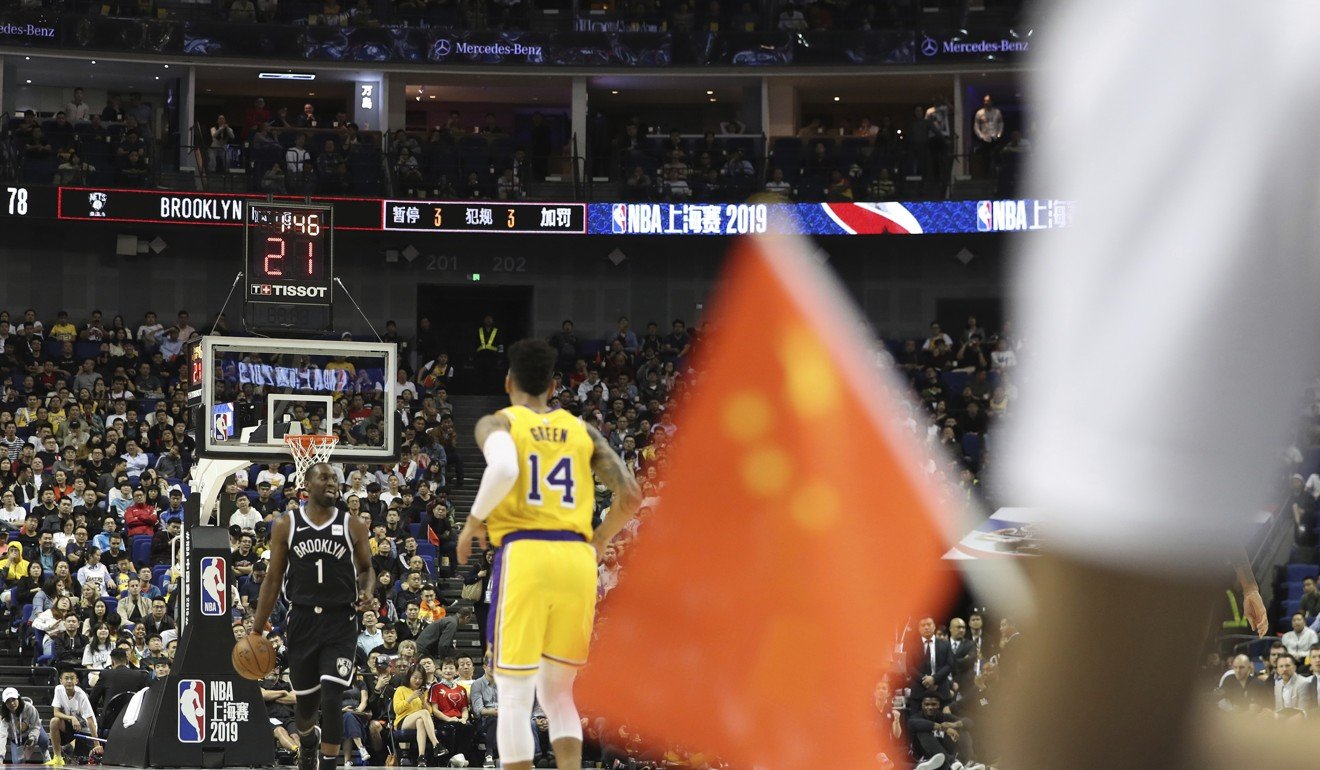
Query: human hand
x=928 y=681
x=471 y=529
x=952 y=733
x=1253 y=609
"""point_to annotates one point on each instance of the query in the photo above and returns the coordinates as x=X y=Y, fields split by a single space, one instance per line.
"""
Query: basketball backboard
x=257 y=390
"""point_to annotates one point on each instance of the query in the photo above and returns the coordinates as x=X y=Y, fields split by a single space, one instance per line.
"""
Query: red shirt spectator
x=140 y=518
x=256 y=115
x=357 y=408
x=451 y=698
x=578 y=375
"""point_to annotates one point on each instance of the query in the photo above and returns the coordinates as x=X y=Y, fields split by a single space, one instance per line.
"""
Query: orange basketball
x=253 y=657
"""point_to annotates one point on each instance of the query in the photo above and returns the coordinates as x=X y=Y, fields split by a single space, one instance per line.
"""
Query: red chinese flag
x=794 y=539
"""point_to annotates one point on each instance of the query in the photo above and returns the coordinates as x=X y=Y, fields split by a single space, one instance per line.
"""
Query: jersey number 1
x=559 y=477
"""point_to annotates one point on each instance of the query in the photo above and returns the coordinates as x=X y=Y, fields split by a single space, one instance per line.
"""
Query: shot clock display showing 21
x=288 y=266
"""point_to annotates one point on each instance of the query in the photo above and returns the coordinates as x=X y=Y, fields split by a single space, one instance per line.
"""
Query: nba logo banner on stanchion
x=203 y=714
x=192 y=711
x=214 y=599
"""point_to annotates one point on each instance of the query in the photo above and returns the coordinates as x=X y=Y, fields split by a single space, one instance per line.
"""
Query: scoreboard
x=564 y=219
x=486 y=217
x=288 y=266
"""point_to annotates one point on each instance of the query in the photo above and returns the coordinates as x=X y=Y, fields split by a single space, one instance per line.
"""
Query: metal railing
x=470 y=167
x=473 y=167
x=36 y=675
x=79 y=155
x=278 y=164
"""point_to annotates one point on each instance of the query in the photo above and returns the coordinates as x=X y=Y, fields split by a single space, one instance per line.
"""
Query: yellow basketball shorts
x=544 y=601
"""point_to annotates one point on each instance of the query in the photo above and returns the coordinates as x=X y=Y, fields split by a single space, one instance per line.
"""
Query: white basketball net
x=308 y=450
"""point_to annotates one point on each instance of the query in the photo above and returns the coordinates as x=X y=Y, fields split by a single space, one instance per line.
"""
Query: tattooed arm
x=609 y=468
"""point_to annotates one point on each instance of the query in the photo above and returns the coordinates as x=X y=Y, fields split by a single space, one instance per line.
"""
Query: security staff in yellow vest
x=486 y=334
x=490 y=349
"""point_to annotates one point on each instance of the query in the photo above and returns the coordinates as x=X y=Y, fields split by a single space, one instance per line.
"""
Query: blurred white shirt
x=1172 y=326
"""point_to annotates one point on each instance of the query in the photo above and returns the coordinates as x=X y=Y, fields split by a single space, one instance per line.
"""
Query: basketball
x=253 y=657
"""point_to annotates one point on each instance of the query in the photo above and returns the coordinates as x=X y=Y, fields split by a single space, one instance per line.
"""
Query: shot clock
x=288 y=273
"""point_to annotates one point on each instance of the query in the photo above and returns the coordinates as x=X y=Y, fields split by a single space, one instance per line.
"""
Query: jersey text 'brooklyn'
x=320 y=572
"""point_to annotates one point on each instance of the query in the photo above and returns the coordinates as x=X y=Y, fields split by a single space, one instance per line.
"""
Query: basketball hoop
x=309 y=449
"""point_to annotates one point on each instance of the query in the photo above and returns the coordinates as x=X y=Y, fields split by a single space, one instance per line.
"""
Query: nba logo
x=224 y=422
x=619 y=218
x=192 y=711
x=215 y=595
x=984 y=219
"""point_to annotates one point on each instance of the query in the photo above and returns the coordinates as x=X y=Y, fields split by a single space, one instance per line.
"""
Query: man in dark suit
x=1007 y=658
x=976 y=632
x=968 y=663
x=931 y=664
x=119 y=678
x=962 y=644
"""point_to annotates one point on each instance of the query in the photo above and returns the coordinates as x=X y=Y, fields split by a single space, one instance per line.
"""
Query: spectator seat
x=141 y=550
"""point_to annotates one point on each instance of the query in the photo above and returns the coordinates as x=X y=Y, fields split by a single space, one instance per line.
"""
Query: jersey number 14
x=559 y=477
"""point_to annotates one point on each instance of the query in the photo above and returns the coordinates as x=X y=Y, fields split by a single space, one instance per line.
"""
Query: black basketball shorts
x=321 y=645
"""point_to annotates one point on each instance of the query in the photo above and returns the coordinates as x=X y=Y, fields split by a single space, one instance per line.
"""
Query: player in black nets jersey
x=321 y=557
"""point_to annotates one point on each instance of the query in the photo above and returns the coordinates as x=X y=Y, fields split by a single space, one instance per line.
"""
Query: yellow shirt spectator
x=64 y=331
x=349 y=371
x=14 y=570
x=24 y=415
x=406 y=701
x=339 y=363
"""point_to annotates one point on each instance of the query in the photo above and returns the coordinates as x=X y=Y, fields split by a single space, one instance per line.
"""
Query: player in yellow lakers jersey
x=535 y=504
